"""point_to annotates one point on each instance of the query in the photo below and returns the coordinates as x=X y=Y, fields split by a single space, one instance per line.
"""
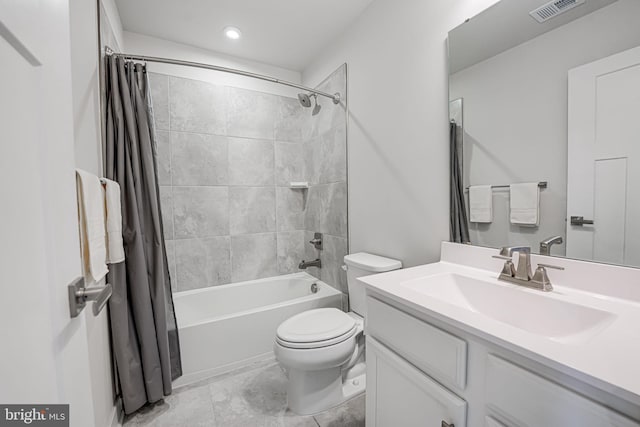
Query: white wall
x=398 y=126
x=88 y=156
x=111 y=27
x=515 y=117
x=85 y=85
x=151 y=46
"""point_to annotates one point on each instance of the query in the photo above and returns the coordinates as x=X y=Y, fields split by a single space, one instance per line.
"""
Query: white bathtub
x=225 y=327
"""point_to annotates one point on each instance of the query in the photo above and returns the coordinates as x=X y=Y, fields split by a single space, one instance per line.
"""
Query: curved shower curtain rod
x=335 y=97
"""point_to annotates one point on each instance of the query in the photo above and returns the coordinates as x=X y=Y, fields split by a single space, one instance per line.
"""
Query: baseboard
x=117 y=414
x=188 y=379
x=114 y=418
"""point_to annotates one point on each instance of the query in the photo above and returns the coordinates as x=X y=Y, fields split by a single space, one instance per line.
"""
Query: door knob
x=580 y=221
x=446 y=424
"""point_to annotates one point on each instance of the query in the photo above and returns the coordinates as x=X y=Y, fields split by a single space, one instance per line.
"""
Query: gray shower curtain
x=143 y=324
x=458 y=225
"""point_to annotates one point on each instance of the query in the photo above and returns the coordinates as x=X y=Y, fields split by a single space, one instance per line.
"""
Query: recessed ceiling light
x=232 y=33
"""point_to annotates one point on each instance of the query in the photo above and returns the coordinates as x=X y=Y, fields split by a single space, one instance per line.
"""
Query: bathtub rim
x=325 y=290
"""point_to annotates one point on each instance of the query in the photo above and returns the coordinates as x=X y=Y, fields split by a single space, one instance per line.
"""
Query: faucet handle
x=555 y=267
x=541 y=278
x=317 y=241
x=508 y=269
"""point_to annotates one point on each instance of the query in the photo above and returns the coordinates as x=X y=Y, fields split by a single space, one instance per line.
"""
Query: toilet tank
x=364 y=264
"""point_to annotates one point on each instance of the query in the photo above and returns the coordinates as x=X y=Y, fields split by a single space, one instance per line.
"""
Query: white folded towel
x=115 y=248
x=91 y=223
x=480 y=203
x=525 y=204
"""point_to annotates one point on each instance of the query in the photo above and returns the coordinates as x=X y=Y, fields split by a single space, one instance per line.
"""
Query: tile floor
x=254 y=396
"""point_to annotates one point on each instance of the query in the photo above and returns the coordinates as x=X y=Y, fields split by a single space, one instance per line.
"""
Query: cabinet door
x=528 y=400
x=398 y=394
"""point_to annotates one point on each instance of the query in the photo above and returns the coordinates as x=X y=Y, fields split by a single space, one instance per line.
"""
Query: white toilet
x=322 y=350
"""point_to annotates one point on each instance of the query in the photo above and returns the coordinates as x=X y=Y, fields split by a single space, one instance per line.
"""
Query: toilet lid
x=316 y=325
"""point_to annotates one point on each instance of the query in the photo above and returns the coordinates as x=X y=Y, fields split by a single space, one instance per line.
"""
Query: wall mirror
x=548 y=93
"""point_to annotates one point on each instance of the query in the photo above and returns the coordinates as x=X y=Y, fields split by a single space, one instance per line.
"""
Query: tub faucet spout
x=305 y=264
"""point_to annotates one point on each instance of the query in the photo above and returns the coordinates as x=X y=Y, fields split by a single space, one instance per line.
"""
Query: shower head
x=305 y=100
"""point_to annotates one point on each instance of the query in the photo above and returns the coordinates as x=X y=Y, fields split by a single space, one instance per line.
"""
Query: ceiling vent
x=553 y=9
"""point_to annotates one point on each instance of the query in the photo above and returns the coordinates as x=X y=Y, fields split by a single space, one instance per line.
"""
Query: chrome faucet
x=305 y=264
x=523 y=271
x=545 y=245
x=522 y=274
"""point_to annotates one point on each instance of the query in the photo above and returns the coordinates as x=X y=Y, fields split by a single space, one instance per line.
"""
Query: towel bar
x=541 y=184
x=79 y=295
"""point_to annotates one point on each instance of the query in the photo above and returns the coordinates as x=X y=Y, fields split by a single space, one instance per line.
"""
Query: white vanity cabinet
x=421 y=372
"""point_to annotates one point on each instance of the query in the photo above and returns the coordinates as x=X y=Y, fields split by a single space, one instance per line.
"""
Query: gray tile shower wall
x=226 y=157
x=325 y=150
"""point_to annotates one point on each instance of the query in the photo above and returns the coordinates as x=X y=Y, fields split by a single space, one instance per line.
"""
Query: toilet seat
x=316 y=328
x=317 y=344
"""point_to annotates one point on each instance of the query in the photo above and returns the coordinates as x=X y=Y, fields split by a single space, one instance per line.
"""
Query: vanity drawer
x=527 y=399
x=434 y=351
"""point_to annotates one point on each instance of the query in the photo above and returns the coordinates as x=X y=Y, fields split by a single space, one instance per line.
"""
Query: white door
x=43 y=352
x=604 y=159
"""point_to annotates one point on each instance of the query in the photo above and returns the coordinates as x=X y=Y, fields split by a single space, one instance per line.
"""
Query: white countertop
x=607 y=357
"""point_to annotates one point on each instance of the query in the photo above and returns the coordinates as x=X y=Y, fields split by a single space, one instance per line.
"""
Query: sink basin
x=533 y=312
